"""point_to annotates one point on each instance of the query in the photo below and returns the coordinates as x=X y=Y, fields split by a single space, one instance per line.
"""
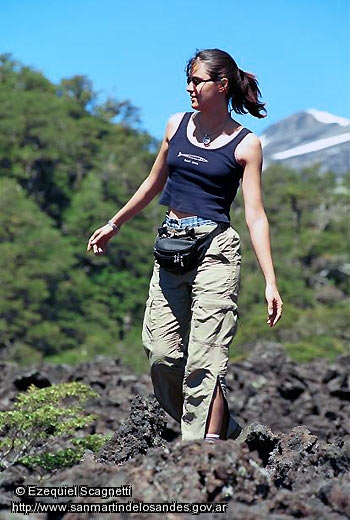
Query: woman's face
x=202 y=89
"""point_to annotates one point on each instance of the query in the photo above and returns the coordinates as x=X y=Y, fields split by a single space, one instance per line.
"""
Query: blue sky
x=137 y=50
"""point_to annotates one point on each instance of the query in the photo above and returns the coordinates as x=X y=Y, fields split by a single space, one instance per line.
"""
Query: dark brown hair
x=243 y=90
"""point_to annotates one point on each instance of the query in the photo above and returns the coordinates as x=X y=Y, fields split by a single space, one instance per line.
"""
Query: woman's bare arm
x=250 y=155
x=150 y=187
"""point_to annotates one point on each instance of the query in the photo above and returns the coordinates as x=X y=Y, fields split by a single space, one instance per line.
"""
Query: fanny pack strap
x=222 y=226
x=189 y=231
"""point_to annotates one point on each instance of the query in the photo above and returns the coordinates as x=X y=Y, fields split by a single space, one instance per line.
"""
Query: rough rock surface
x=271 y=388
x=291 y=461
x=141 y=431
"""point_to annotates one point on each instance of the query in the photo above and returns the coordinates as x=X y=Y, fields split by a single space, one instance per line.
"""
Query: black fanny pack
x=180 y=254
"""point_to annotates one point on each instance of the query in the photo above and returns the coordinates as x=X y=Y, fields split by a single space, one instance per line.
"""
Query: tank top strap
x=239 y=137
x=182 y=128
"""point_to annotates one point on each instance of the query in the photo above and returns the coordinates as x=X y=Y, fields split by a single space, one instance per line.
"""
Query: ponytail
x=243 y=91
x=244 y=95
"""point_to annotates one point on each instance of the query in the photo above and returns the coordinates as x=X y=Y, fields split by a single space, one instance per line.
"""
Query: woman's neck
x=210 y=121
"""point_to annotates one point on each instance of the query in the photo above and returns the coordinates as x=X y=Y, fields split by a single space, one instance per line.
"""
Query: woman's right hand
x=98 y=241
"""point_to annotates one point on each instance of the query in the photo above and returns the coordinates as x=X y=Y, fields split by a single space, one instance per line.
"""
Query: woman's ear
x=223 y=85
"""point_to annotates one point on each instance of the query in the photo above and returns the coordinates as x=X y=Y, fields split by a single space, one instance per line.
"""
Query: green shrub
x=67 y=457
x=32 y=433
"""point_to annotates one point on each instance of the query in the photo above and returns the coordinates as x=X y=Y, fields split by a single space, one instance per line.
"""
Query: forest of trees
x=67 y=163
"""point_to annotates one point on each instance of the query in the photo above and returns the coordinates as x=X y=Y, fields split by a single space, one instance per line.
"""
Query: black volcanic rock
x=291 y=461
x=141 y=431
x=24 y=381
x=270 y=388
x=266 y=475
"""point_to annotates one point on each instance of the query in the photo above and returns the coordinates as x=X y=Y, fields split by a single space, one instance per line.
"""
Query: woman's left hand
x=274 y=305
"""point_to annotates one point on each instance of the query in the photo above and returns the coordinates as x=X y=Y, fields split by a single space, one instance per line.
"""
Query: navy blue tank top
x=202 y=181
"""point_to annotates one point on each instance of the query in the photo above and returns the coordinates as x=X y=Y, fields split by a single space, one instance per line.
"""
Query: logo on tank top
x=193 y=159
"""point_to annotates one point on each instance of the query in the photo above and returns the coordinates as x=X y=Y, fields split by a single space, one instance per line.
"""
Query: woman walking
x=191 y=312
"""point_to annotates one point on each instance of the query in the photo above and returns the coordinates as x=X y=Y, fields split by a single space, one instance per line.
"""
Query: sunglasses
x=196 y=81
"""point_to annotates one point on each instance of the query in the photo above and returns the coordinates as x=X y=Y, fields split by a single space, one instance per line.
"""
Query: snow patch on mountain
x=308 y=138
x=327 y=118
x=314 y=146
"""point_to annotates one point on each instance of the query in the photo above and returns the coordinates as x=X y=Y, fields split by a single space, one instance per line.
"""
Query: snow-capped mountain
x=307 y=138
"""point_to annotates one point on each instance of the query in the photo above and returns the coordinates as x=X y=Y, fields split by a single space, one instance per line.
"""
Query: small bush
x=32 y=433
x=67 y=457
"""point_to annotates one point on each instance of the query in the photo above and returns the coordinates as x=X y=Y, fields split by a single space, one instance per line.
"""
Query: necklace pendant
x=206 y=140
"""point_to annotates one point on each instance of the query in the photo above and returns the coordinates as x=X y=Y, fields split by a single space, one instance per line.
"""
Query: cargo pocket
x=214 y=325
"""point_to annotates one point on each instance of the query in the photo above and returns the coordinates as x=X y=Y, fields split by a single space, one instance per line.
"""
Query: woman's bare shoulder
x=249 y=148
x=173 y=124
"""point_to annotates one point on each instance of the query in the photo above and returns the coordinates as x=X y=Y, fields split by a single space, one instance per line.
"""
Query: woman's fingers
x=98 y=250
x=274 y=311
x=279 y=311
x=94 y=239
x=91 y=240
x=274 y=304
x=97 y=243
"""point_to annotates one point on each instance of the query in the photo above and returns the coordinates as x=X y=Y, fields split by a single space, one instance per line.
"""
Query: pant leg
x=213 y=325
x=165 y=336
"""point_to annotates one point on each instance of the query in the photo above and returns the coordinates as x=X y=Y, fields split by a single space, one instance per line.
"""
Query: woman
x=190 y=318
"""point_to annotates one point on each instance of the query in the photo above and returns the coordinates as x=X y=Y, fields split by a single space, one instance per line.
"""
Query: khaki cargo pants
x=190 y=321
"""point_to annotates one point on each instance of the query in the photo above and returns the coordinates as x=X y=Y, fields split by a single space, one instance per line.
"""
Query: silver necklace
x=206 y=140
